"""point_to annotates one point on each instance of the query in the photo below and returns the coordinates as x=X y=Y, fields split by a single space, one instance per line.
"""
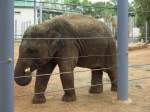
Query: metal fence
x=47 y=10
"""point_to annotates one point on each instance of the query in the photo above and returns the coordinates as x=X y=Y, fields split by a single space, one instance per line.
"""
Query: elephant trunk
x=22 y=77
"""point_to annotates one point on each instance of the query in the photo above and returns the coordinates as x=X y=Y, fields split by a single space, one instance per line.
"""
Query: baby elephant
x=68 y=41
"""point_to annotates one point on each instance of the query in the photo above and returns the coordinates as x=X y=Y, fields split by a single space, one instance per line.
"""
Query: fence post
x=146 y=34
x=35 y=12
x=6 y=55
x=41 y=12
x=122 y=50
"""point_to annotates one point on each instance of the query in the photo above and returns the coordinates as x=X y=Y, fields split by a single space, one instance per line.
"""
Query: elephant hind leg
x=96 y=82
x=113 y=78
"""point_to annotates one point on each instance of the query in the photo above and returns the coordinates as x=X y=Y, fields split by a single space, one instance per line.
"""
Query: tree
x=98 y=10
x=45 y=13
x=52 y=1
x=114 y=2
x=103 y=9
x=73 y=5
x=87 y=7
x=142 y=8
x=72 y=1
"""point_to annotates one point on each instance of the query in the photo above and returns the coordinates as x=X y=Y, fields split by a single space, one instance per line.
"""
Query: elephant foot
x=96 y=90
x=39 y=99
x=114 y=88
x=69 y=98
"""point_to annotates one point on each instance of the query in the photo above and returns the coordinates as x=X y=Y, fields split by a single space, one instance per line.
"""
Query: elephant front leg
x=96 y=82
x=41 y=83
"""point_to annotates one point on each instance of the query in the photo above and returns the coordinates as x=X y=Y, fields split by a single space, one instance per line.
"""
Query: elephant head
x=37 y=48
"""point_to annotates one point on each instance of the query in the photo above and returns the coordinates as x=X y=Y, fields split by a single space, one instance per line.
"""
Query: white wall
x=23 y=18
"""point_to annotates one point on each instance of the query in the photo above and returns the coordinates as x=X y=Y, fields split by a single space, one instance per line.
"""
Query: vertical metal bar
x=122 y=50
x=35 y=12
x=132 y=29
x=41 y=12
x=146 y=35
x=6 y=55
x=15 y=29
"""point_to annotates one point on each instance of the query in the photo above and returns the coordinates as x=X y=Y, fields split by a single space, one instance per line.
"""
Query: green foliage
x=87 y=7
x=72 y=1
x=142 y=8
x=46 y=0
x=114 y=2
x=45 y=16
x=131 y=7
x=73 y=4
x=103 y=9
x=52 y=1
x=99 y=9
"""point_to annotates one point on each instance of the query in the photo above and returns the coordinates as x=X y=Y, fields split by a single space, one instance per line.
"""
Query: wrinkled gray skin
x=81 y=50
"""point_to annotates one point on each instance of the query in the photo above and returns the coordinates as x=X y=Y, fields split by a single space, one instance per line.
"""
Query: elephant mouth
x=24 y=79
x=23 y=73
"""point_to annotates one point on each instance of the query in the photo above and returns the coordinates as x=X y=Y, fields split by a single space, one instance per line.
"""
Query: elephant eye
x=32 y=51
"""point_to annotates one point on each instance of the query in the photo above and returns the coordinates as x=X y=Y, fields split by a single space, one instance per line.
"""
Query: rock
x=139 y=86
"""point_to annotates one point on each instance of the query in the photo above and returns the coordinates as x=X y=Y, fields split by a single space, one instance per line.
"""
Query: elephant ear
x=59 y=30
x=63 y=27
x=55 y=42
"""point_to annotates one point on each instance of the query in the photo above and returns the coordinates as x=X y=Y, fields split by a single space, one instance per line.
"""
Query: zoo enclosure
x=7 y=60
x=54 y=9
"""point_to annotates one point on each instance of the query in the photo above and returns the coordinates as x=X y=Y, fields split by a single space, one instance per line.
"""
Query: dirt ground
x=139 y=91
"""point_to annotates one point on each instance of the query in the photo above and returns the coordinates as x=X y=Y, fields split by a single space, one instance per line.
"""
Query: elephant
x=69 y=41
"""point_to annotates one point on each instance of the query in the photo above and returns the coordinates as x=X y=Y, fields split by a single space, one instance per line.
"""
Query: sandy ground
x=139 y=91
